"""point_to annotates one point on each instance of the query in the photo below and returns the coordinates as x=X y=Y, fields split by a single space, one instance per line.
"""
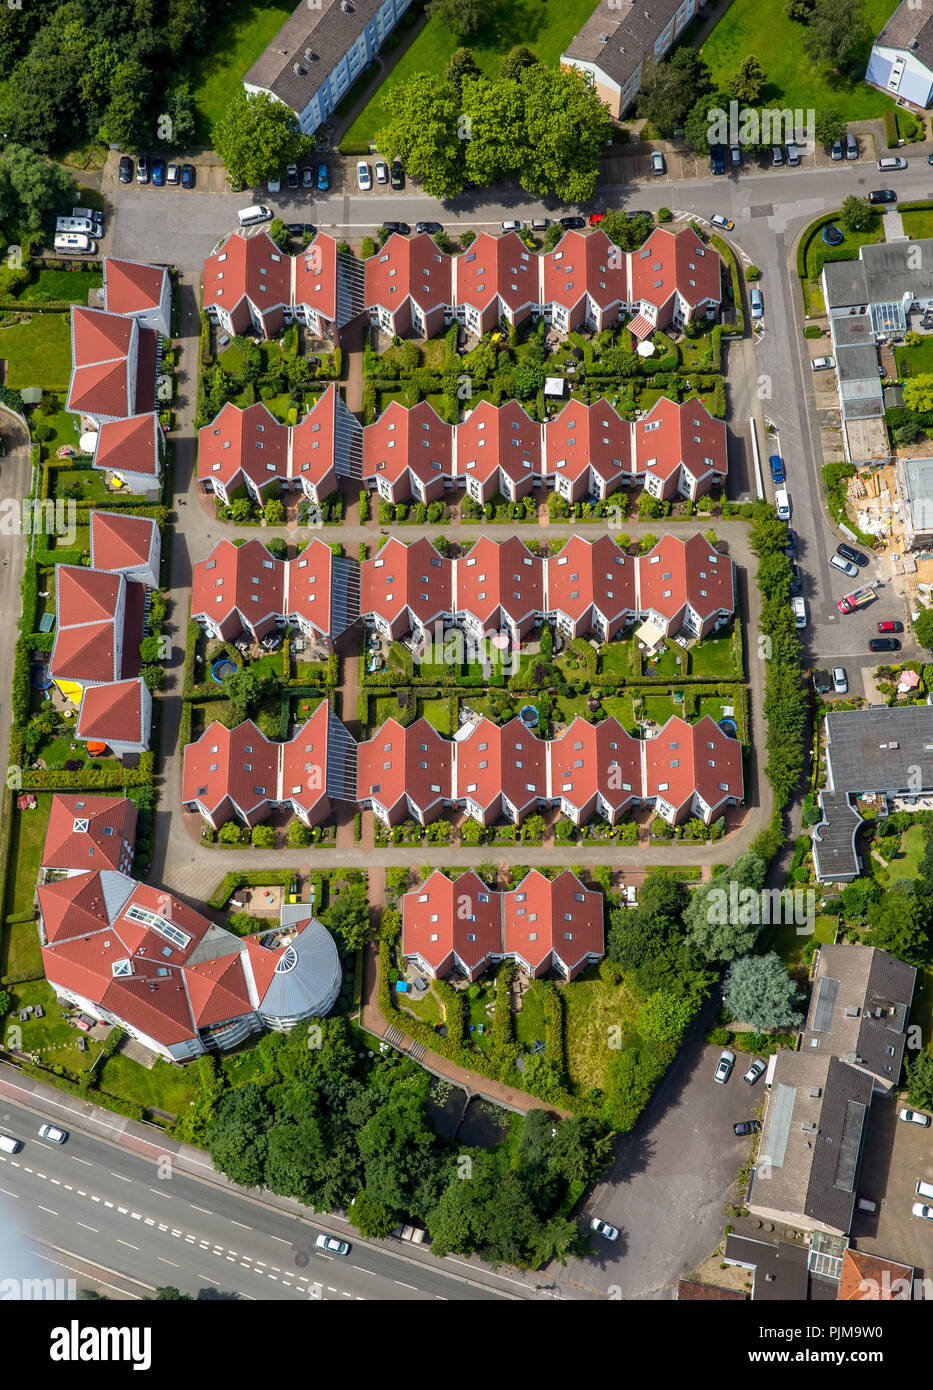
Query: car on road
x=823 y=364
x=142 y=168
x=718 y=220
x=755 y=302
x=401 y=227
x=914 y=1117
x=717 y=160
x=291 y=177
x=381 y=170
x=851 y=146
x=323 y=178
x=9 y=1145
x=839 y=562
x=189 y=176
x=158 y=173
x=396 y=174
x=572 y=224
x=849 y=552
x=53 y=1134
x=840 y=680
x=746 y=1127
x=735 y=156
x=796 y=580
x=724 y=1066
x=332 y=1245
x=657 y=163
x=274 y=185
x=790 y=545
x=754 y=1071
x=836 y=151
x=173 y=175
x=307 y=177
x=892 y=163
x=776 y=464
x=889 y=625
x=363 y=177
x=882 y=195
x=924 y=1212
x=511 y=225
x=126 y=169
x=432 y=228
x=603 y=1228
x=884 y=644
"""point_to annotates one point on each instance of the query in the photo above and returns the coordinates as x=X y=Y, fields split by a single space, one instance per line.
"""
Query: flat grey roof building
x=915 y=486
x=859 y=1008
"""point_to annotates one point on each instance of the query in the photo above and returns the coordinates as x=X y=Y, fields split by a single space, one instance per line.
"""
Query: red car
x=890 y=627
x=595 y=218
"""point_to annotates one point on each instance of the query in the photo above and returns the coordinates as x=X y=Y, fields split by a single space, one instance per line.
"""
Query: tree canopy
x=759 y=991
x=257 y=136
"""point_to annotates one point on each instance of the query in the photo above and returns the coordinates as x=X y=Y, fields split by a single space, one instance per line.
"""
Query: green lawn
x=851 y=242
x=906 y=864
x=437 y=713
x=38 y=353
x=546 y=29
x=660 y=708
x=619 y=659
x=620 y=707
x=713 y=659
x=592 y=1009
x=52 y=1036
x=918 y=223
x=25 y=857
x=163 y=1086
x=784 y=939
x=913 y=360
x=529 y=1023
x=73 y=285
x=761 y=27
x=239 y=38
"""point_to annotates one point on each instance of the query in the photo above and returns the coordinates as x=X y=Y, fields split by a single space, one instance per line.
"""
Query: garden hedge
x=247 y=878
x=736 y=329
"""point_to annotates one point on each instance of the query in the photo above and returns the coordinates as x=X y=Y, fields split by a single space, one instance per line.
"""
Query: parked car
x=189 y=176
x=540 y=224
x=126 y=169
x=323 y=178
x=792 y=154
x=291 y=177
x=823 y=364
x=572 y=224
x=401 y=227
x=307 y=177
x=836 y=150
x=790 y=545
x=840 y=680
x=796 y=582
x=75 y=241
x=717 y=160
x=839 y=562
x=924 y=1212
x=914 y=1117
x=756 y=303
x=735 y=156
x=512 y=225
x=432 y=228
x=724 y=1066
x=173 y=175
x=396 y=174
x=381 y=171
x=603 y=1228
x=274 y=185
x=851 y=146
x=892 y=163
x=301 y=228
x=889 y=625
x=881 y=196
x=777 y=157
x=746 y=1127
x=776 y=464
x=53 y=1134
x=332 y=1245
x=158 y=173
x=884 y=644
x=142 y=168
x=76 y=224
x=363 y=177
x=754 y=1071
x=595 y=218
x=657 y=163
x=857 y=557
x=718 y=220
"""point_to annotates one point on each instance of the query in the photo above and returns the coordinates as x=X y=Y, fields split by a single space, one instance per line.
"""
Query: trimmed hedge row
x=737 y=329
x=247 y=878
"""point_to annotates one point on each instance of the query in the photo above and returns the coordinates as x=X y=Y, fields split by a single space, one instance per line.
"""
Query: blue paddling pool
x=729 y=727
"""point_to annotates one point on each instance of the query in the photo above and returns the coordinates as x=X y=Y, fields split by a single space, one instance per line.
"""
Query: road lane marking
x=49 y=1210
x=204 y=1209
x=281 y=1241
x=406 y=1286
x=9 y=1194
x=89 y=1228
x=127 y=1244
x=85 y=1161
x=55 y=1181
x=208 y=1278
x=240 y=1223
x=120 y=1176
x=108 y=1204
x=167 y=1262
x=159 y=1193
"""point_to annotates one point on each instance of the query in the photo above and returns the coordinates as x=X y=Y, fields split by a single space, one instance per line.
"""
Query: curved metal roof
x=307 y=976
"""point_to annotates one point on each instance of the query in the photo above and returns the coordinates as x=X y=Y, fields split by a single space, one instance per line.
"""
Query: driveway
x=896 y=1155
x=673 y=1173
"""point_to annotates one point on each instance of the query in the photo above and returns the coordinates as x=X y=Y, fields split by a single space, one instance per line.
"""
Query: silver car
x=724 y=1066
x=754 y=1071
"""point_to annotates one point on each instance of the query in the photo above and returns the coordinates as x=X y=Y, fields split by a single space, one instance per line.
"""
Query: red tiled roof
x=247 y=268
x=86 y=605
x=217 y=990
x=131 y=287
x=560 y=916
x=230 y=762
x=308 y=581
x=678 y=572
x=583 y=264
x=316 y=277
x=100 y=345
x=304 y=760
x=415 y=577
x=406 y=268
x=397 y=762
x=603 y=758
x=129 y=446
x=670 y=261
x=113 y=713
x=490 y=575
x=313 y=441
x=244 y=577
x=73 y=906
x=250 y=442
x=442 y=916
x=109 y=821
x=874 y=1278
x=581 y=437
x=120 y=541
x=507 y=760
x=498 y=437
x=672 y=434
x=500 y=266
x=416 y=439
x=684 y=758
x=585 y=573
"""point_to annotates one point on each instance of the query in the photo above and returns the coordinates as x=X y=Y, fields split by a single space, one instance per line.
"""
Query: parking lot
x=896 y=1155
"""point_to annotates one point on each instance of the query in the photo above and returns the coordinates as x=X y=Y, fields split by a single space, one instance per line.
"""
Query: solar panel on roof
x=825 y=1004
x=779 y=1128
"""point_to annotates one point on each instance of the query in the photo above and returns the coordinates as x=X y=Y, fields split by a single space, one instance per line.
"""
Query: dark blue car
x=717 y=159
x=777 y=468
x=187 y=176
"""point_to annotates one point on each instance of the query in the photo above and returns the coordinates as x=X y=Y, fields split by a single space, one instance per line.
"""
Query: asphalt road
x=93 y=1201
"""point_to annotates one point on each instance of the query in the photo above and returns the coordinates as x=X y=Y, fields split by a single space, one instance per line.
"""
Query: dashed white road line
x=203 y=1209
x=85 y=1161
x=405 y=1286
x=159 y=1193
x=167 y=1262
x=127 y=1244
x=208 y=1278
x=240 y=1224
x=120 y=1176
x=89 y=1228
x=9 y=1194
x=48 y=1209
x=281 y=1240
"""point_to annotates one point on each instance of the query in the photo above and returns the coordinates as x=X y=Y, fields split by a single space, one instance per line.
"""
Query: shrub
x=752 y=272
x=665 y=215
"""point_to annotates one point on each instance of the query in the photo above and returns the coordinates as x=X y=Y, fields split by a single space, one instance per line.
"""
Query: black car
x=126 y=169
x=717 y=159
x=301 y=228
x=188 y=176
x=291 y=177
x=396 y=174
x=848 y=552
x=796 y=583
x=432 y=228
x=790 y=545
x=884 y=644
x=401 y=227
x=882 y=195
x=572 y=224
x=746 y=1127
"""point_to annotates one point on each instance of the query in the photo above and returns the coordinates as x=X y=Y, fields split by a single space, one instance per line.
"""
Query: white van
x=10 y=1145
x=924 y=1189
x=75 y=224
x=800 y=611
x=782 y=504
x=256 y=213
x=75 y=241
x=891 y=163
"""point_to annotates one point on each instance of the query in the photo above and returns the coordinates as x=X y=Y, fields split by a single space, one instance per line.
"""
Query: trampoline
x=729 y=727
x=39 y=676
x=832 y=236
x=529 y=716
x=222 y=668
